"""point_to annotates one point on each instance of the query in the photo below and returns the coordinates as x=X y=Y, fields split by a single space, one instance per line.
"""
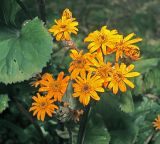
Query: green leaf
x=144 y=65
x=145 y=113
x=126 y=102
x=139 y=86
x=3 y=102
x=96 y=132
x=63 y=134
x=157 y=138
x=25 y=52
x=73 y=102
x=8 y=11
x=120 y=125
x=125 y=136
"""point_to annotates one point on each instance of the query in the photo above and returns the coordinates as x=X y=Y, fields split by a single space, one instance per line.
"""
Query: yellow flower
x=80 y=63
x=42 y=106
x=118 y=77
x=63 y=28
x=102 y=39
x=67 y=13
x=55 y=88
x=101 y=68
x=156 y=123
x=126 y=46
x=86 y=86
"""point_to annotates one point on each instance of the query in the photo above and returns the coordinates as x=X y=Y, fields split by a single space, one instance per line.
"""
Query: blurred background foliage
x=116 y=119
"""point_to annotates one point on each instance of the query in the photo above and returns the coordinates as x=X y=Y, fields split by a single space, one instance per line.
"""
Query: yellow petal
x=130 y=67
x=133 y=41
x=86 y=100
x=99 y=89
x=128 y=37
x=59 y=36
x=60 y=76
x=122 y=86
x=75 y=95
x=129 y=83
x=83 y=74
x=42 y=115
x=94 y=95
x=110 y=85
x=115 y=88
x=104 y=49
x=132 y=74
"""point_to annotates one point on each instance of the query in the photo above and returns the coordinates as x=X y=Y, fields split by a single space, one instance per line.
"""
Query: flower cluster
x=90 y=73
x=53 y=91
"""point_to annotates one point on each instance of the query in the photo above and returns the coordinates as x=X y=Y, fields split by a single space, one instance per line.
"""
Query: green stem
x=42 y=10
x=83 y=124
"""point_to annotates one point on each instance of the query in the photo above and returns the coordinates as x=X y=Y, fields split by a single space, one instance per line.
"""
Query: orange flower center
x=118 y=77
x=86 y=88
x=56 y=86
x=103 y=71
x=80 y=63
x=63 y=27
x=102 y=38
x=43 y=105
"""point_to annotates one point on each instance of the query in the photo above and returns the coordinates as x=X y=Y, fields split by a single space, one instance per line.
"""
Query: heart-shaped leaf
x=24 y=53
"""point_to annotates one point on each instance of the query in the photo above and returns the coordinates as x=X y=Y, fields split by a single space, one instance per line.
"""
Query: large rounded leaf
x=24 y=53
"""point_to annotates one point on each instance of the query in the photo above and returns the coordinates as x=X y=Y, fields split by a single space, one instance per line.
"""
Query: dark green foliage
x=26 y=48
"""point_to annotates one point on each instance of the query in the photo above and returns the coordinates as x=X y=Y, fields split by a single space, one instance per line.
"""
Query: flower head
x=101 y=68
x=126 y=47
x=63 y=28
x=43 y=105
x=102 y=39
x=87 y=86
x=80 y=63
x=67 y=13
x=118 y=77
x=156 y=123
x=132 y=53
x=55 y=88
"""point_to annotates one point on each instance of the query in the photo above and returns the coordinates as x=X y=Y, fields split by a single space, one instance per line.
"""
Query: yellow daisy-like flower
x=80 y=63
x=101 y=68
x=67 y=13
x=87 y=86
x=126 y=47
x=43 y=105
x=156 y=123
x=55 y=88
x=63 y=28
x=118 y=78
x=102 y=39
